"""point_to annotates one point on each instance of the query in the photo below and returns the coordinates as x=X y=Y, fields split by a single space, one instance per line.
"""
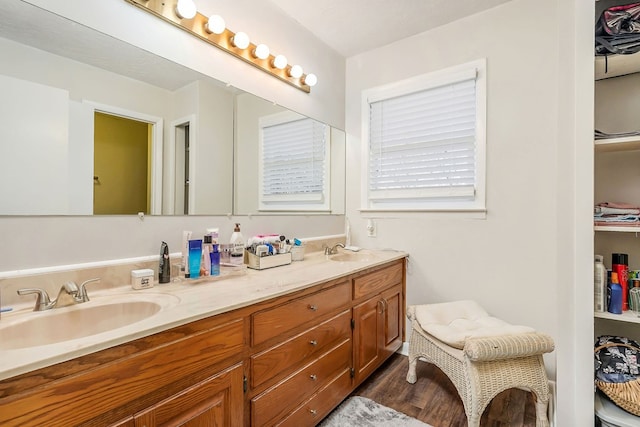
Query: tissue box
x=142 y=279
x=262 y=262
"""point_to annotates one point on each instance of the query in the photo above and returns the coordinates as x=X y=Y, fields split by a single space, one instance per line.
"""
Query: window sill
x=467 y=213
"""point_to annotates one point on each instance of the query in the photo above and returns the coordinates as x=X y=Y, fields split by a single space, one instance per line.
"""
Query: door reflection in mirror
x=122 y=156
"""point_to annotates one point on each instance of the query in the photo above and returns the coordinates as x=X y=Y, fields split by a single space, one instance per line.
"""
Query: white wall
x=510 y=260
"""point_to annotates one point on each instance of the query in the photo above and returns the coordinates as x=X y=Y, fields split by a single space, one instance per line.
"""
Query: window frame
x=296 y=202
x=416 y=84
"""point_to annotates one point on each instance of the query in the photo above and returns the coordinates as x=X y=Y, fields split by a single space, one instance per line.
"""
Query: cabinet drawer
x=373 y=283
x=315 y=341
x=273 y=322
x=279 y=400
x=320 y=405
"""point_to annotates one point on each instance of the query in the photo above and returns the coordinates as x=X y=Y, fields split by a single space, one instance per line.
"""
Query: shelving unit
x=617 y=173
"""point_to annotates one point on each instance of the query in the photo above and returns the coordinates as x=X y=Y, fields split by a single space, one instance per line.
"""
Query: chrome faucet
x=69 y=294
x=333 y=250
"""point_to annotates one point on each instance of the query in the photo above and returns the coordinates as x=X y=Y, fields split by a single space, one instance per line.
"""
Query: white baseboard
x=404 y=350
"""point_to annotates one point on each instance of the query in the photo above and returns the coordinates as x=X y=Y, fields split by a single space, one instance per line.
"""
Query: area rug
x=359 y=411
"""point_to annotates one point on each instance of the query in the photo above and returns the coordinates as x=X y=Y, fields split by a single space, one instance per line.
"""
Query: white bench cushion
x=454 y=322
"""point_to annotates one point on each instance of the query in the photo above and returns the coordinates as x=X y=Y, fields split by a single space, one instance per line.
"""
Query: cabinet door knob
x=313 y=411
x=313 y=342
x=313 y=307
x=313 y=377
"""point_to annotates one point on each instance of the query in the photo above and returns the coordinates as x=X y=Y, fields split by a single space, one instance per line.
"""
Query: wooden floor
x=433 y=398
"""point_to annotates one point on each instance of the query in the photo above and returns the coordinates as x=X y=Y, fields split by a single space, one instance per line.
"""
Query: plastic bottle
x=615 y=295
x=599 y=285
x=237 y=240
x=215 y=261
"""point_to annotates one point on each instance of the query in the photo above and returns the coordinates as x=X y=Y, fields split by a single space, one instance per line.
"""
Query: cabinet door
x=366 y=337
x=377 y=331
x=216 y=401
x=392 y=314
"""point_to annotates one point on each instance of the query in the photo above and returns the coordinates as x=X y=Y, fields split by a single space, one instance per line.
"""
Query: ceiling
x=351 y=27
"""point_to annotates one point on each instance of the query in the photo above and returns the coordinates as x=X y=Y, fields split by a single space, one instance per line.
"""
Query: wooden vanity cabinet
x=287 y=361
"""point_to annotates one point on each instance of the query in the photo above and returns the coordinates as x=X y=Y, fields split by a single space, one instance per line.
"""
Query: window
x=425 y=142
x=294 y=163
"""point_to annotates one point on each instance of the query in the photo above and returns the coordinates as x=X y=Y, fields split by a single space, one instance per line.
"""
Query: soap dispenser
x=237 y=244
x=164 y=273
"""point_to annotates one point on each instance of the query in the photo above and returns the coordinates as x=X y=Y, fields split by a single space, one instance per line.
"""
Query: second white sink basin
x=78 y=321
x=350 y=257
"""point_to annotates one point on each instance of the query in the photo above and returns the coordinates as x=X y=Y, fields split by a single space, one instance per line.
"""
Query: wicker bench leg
x=411 y=373
x=541 y=412
x=473 y=420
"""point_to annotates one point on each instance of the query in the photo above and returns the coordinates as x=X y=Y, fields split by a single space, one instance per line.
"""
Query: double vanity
x=282 y=346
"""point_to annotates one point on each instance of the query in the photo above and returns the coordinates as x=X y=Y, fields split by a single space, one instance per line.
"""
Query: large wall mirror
x=85 y=132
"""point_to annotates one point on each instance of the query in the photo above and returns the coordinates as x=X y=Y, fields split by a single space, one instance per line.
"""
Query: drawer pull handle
x=313 y=342
x=313 y=411
x=313 y=307
x=313 y=377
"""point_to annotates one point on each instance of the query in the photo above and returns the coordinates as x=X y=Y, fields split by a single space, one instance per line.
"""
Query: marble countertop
x=181 y=302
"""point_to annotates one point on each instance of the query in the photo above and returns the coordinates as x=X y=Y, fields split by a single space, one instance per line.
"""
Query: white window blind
x=294 y=163
x=423 y=143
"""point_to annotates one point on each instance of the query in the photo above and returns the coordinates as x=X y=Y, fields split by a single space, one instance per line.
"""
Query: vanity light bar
x=167 y=10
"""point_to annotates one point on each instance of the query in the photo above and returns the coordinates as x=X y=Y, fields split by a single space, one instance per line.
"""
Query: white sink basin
x=351 y=257
x=78 y=321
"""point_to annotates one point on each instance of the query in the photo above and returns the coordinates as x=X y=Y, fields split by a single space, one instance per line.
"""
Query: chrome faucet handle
x=67 y=295
x=43 y=302
x=83 y=296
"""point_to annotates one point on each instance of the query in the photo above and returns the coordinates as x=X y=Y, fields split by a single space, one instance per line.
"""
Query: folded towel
x=605 y=210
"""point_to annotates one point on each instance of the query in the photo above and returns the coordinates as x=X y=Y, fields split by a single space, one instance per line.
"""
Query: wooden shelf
x=618 y=228
x=628 y=143
x=626 y=316
x=616 y=65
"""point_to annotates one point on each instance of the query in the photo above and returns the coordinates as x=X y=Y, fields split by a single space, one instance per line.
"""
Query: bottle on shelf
x=599 y=285
x=615 y=295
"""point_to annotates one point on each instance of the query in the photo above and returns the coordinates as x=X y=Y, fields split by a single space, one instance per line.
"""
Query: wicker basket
x=626 y=395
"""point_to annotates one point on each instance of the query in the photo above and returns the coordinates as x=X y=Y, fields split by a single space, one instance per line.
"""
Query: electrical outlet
x=371 y=228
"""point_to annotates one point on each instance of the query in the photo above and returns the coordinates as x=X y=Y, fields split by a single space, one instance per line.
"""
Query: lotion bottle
x=237 y=242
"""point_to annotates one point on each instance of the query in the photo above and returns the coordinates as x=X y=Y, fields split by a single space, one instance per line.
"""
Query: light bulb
x=310 y=80
x=186 y=9
x=240 y=40
x=280 y=62
x=261 y=51
x=295 y=71
x=215 y=24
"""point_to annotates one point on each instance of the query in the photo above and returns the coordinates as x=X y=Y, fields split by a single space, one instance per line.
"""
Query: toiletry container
x=599 y=285
x=164 y=271
x=237 y=241
x=142 y=279
x=615 y=295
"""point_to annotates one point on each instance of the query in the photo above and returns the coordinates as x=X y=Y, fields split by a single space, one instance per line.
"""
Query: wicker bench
x=484 y=366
